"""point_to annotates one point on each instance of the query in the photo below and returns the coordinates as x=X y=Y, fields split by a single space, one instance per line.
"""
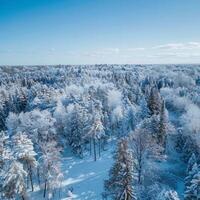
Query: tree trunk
x=99 y=140
x=140 y=171
x=27 y=182
x=95 y=154
x=59 y=192
x=27 y=166
x=90 y=146
x=31 y=178
x=45 y=188
x=139 y=176
x=38 y=175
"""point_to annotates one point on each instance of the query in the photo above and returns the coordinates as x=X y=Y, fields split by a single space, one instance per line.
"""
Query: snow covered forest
x=110 y=132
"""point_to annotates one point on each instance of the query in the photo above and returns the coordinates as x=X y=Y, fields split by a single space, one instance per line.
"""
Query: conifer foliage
x=23 y=151
x=154 y=101
x=119 y=186
x=163 y=126
x=192 y=180
x=14 y=180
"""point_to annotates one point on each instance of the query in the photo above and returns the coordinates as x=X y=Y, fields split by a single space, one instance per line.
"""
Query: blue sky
x=99 y=31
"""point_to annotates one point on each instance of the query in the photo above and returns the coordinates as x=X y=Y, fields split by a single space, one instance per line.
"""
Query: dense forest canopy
x=147 y=114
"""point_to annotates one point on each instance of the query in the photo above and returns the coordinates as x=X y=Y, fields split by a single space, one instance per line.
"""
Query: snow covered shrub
x=114 y=98
x=183 y=80
x=191 y=119
x=168 y=195
x=177 y=104
x=14 y=180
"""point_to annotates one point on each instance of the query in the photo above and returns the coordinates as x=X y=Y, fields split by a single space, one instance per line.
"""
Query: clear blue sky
x=99 y=31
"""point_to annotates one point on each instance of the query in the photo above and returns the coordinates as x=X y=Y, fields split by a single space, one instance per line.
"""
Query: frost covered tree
x=163 y=126
x=190 y=175
x=168 y=195
x=120 y=182
x=189 y=147
x=50 y=167
x=39 y=125
x=14 y=180
x=154 y=101
x=3 y=148
x=75 y=129
x=118 y=121
x=141 y=145
x=75 y=137
x=191 y=163
x=193 y=190
x=24 y=152
x=95 y=134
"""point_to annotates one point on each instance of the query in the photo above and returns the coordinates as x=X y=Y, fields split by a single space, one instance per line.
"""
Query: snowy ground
x=171 y=173
x=85 y=176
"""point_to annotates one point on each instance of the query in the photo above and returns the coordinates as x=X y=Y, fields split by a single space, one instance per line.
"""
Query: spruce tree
x=3 y=148
x=154 y=101
x=119 y=184
x=191 y=163
x=191 y=174
x=168 y=195
x=171 y=195
x=163 y=126
x=77 y=123
x=193 y=190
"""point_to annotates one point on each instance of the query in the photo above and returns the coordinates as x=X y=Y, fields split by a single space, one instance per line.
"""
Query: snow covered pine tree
x=119 y=185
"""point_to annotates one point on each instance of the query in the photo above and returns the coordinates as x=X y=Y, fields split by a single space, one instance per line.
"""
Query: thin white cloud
x=112 y=52
x=171 y=52
x=179 y=46
x=181 y=55
x=135 y=49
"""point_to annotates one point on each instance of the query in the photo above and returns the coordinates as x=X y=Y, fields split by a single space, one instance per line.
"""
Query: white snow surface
x=85 y=176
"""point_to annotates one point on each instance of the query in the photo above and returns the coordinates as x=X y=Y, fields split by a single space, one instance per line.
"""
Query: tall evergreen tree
x=168 y=195
x=3 y=148
x=14 y=183
x=163 y=126
x=76 y=124
x=193 y=190
x=191 y=163
x=23 y=151
x=119 y=184
x=154 y=101
x=191 y=174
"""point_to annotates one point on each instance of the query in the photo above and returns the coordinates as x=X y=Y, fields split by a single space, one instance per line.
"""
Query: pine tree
x=119 y=184
x=168 y=195
x=193 y=190
x=171 y=195
x=154 y=101
x=23 y=151
x=3 y=148
x=163 y=126
x=77 y=122
x=191 y=174
x=14 y=180
x=191 y=163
